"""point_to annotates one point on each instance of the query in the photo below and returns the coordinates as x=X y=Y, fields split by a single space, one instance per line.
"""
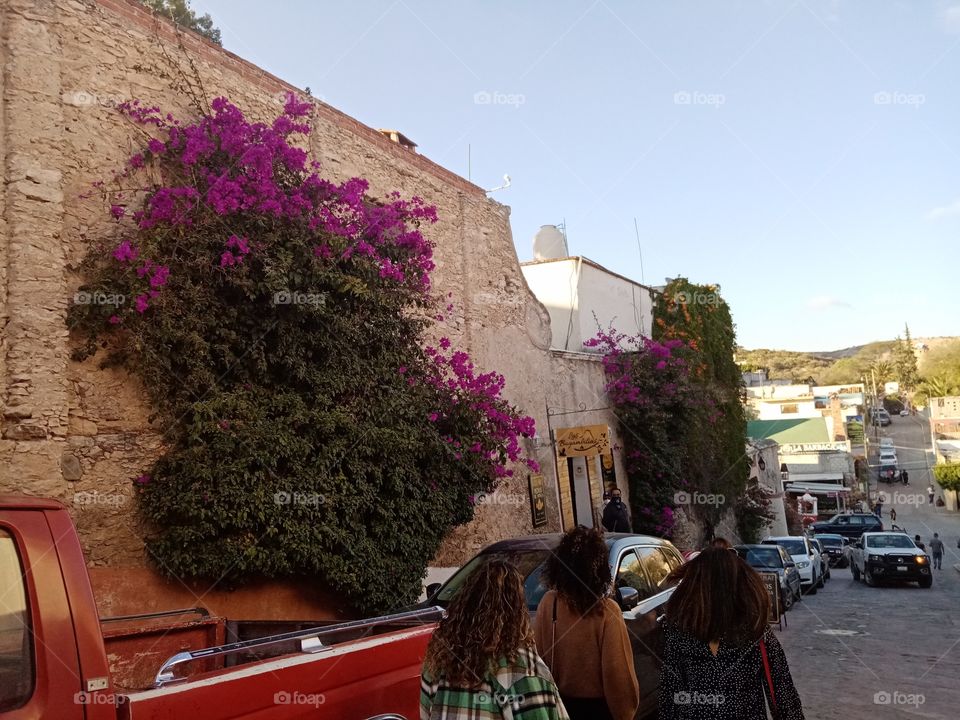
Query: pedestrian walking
x=905 y=476
x=581 y=634
x=893 y=514
x=930 y=493
x=615 y=517
x=721 y=659
x=482 y=660
x=936 y=550
x=916 y=541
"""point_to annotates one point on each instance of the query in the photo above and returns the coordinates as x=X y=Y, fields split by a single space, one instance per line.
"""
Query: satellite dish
x=549 y=243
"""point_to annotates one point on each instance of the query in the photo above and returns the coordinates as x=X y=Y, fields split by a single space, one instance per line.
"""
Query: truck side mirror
x=432 y=589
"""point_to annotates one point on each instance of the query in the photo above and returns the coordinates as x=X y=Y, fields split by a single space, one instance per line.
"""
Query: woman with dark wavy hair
x=721 y=659
x=482 y=663
x=581 y=634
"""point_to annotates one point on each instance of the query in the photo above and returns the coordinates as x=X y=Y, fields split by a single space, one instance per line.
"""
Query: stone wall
x=80 y=433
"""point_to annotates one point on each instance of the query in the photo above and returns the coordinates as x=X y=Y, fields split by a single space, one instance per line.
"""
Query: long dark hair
x=579 y=569
x=720 y=598
x=486 y=620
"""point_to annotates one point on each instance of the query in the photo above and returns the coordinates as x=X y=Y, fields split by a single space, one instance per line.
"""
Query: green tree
x=182 y=14
x=905 y=361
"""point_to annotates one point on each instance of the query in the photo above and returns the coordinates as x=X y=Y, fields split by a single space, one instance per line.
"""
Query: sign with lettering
x=771 y=581
x=538 y=500
x=800 y=448
x=583 y=441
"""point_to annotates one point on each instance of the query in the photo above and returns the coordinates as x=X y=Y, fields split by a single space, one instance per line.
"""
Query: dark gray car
x=639 y=564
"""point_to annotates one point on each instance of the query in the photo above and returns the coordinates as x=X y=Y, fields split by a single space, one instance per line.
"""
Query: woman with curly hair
x=581 y=634
x=721 y=659
x=482 y=663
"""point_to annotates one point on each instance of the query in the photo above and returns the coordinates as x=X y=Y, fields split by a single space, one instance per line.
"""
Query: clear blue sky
x=804 y=155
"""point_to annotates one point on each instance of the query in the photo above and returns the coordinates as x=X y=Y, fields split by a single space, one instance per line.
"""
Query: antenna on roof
x=506 y=184
x=636 y=229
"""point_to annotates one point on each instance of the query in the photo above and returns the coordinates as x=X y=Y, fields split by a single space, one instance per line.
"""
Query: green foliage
x=182 y=14
x=713 y=455
x=308 y=433
x=939 y=372
x=948 y=475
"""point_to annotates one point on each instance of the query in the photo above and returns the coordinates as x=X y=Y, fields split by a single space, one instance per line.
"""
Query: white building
x=582 y=296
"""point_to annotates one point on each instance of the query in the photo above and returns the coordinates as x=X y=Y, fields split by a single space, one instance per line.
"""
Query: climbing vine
x=278 y=321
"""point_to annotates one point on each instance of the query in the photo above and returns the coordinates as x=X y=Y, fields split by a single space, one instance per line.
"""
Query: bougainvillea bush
x=650 y=387
x=278 y=322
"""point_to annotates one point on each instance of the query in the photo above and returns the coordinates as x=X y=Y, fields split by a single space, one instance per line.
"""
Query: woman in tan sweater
x=580 y=632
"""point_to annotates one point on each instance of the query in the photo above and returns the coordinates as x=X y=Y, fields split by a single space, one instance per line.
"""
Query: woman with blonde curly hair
x=482 y=663
x=581 y=633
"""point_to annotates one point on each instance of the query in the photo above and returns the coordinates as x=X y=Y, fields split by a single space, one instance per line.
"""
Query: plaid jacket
x=523 y=690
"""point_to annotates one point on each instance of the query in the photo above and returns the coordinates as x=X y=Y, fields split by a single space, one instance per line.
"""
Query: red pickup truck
x=60 y=661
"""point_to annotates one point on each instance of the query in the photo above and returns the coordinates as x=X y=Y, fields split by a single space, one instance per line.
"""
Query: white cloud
x=945 y=210
x=826 y=302
x=951 y=19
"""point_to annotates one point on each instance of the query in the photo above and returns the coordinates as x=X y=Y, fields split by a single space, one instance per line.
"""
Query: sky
x=801 y=154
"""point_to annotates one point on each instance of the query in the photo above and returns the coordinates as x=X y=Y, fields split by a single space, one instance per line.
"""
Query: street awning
x=814 y=488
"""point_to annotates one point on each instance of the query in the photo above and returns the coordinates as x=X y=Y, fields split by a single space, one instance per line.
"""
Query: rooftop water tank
x=549 y=243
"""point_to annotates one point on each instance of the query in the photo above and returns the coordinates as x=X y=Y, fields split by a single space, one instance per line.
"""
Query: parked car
x=773 y=558
x=881 y=417
x=889 y=556
x=888 y=471
x=59 y=660
x=639 y=564
x=824 y=561
x=849 y=525
x=835 y=548
x=904 y=413
x=886 y=442
x=805 y=556
x=888 y=454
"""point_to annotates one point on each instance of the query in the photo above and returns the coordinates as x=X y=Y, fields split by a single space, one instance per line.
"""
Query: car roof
x=549 y=541
x=784 y=537
x=829 y=535
x=885 y=532
x=755 y=546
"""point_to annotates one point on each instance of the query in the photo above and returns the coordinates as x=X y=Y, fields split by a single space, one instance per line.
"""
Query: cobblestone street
x=885 y=652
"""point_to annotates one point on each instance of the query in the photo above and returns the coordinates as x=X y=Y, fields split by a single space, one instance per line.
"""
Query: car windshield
x=830 y=541
x=761 y=557
x=889 y=541
x=529 y=561
x=794 y=547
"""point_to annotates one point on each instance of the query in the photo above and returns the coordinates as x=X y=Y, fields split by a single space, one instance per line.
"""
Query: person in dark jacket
x=721 y=659
x=615 y=517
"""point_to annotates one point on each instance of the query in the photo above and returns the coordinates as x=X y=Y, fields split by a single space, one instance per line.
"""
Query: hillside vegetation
x=938 y=365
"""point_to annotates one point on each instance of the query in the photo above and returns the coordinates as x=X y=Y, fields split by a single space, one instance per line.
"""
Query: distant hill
x=832 y=367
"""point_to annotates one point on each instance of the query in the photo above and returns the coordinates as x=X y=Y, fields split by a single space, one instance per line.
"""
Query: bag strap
x=769 y=676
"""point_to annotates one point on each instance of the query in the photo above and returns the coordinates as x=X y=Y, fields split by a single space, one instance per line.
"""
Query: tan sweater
x=592 y=657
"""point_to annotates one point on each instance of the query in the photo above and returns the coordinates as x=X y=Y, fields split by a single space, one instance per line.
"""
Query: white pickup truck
x=889 y=557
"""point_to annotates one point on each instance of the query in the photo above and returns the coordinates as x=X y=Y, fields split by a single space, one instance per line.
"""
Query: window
x=789 y=409
x=631 y=574
x=856 y=520
x=16 y=646
x=843 y=520
x=655 y=563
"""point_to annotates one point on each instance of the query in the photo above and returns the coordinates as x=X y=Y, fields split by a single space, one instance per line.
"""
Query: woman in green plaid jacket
x=482 y=663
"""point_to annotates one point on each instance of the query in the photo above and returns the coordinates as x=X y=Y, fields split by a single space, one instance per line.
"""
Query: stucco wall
x=72 y=428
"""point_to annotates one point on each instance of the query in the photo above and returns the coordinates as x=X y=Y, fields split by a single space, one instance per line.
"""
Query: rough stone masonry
x=80 y=433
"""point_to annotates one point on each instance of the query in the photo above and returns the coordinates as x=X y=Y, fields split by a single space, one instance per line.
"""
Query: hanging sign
x=583 y=441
